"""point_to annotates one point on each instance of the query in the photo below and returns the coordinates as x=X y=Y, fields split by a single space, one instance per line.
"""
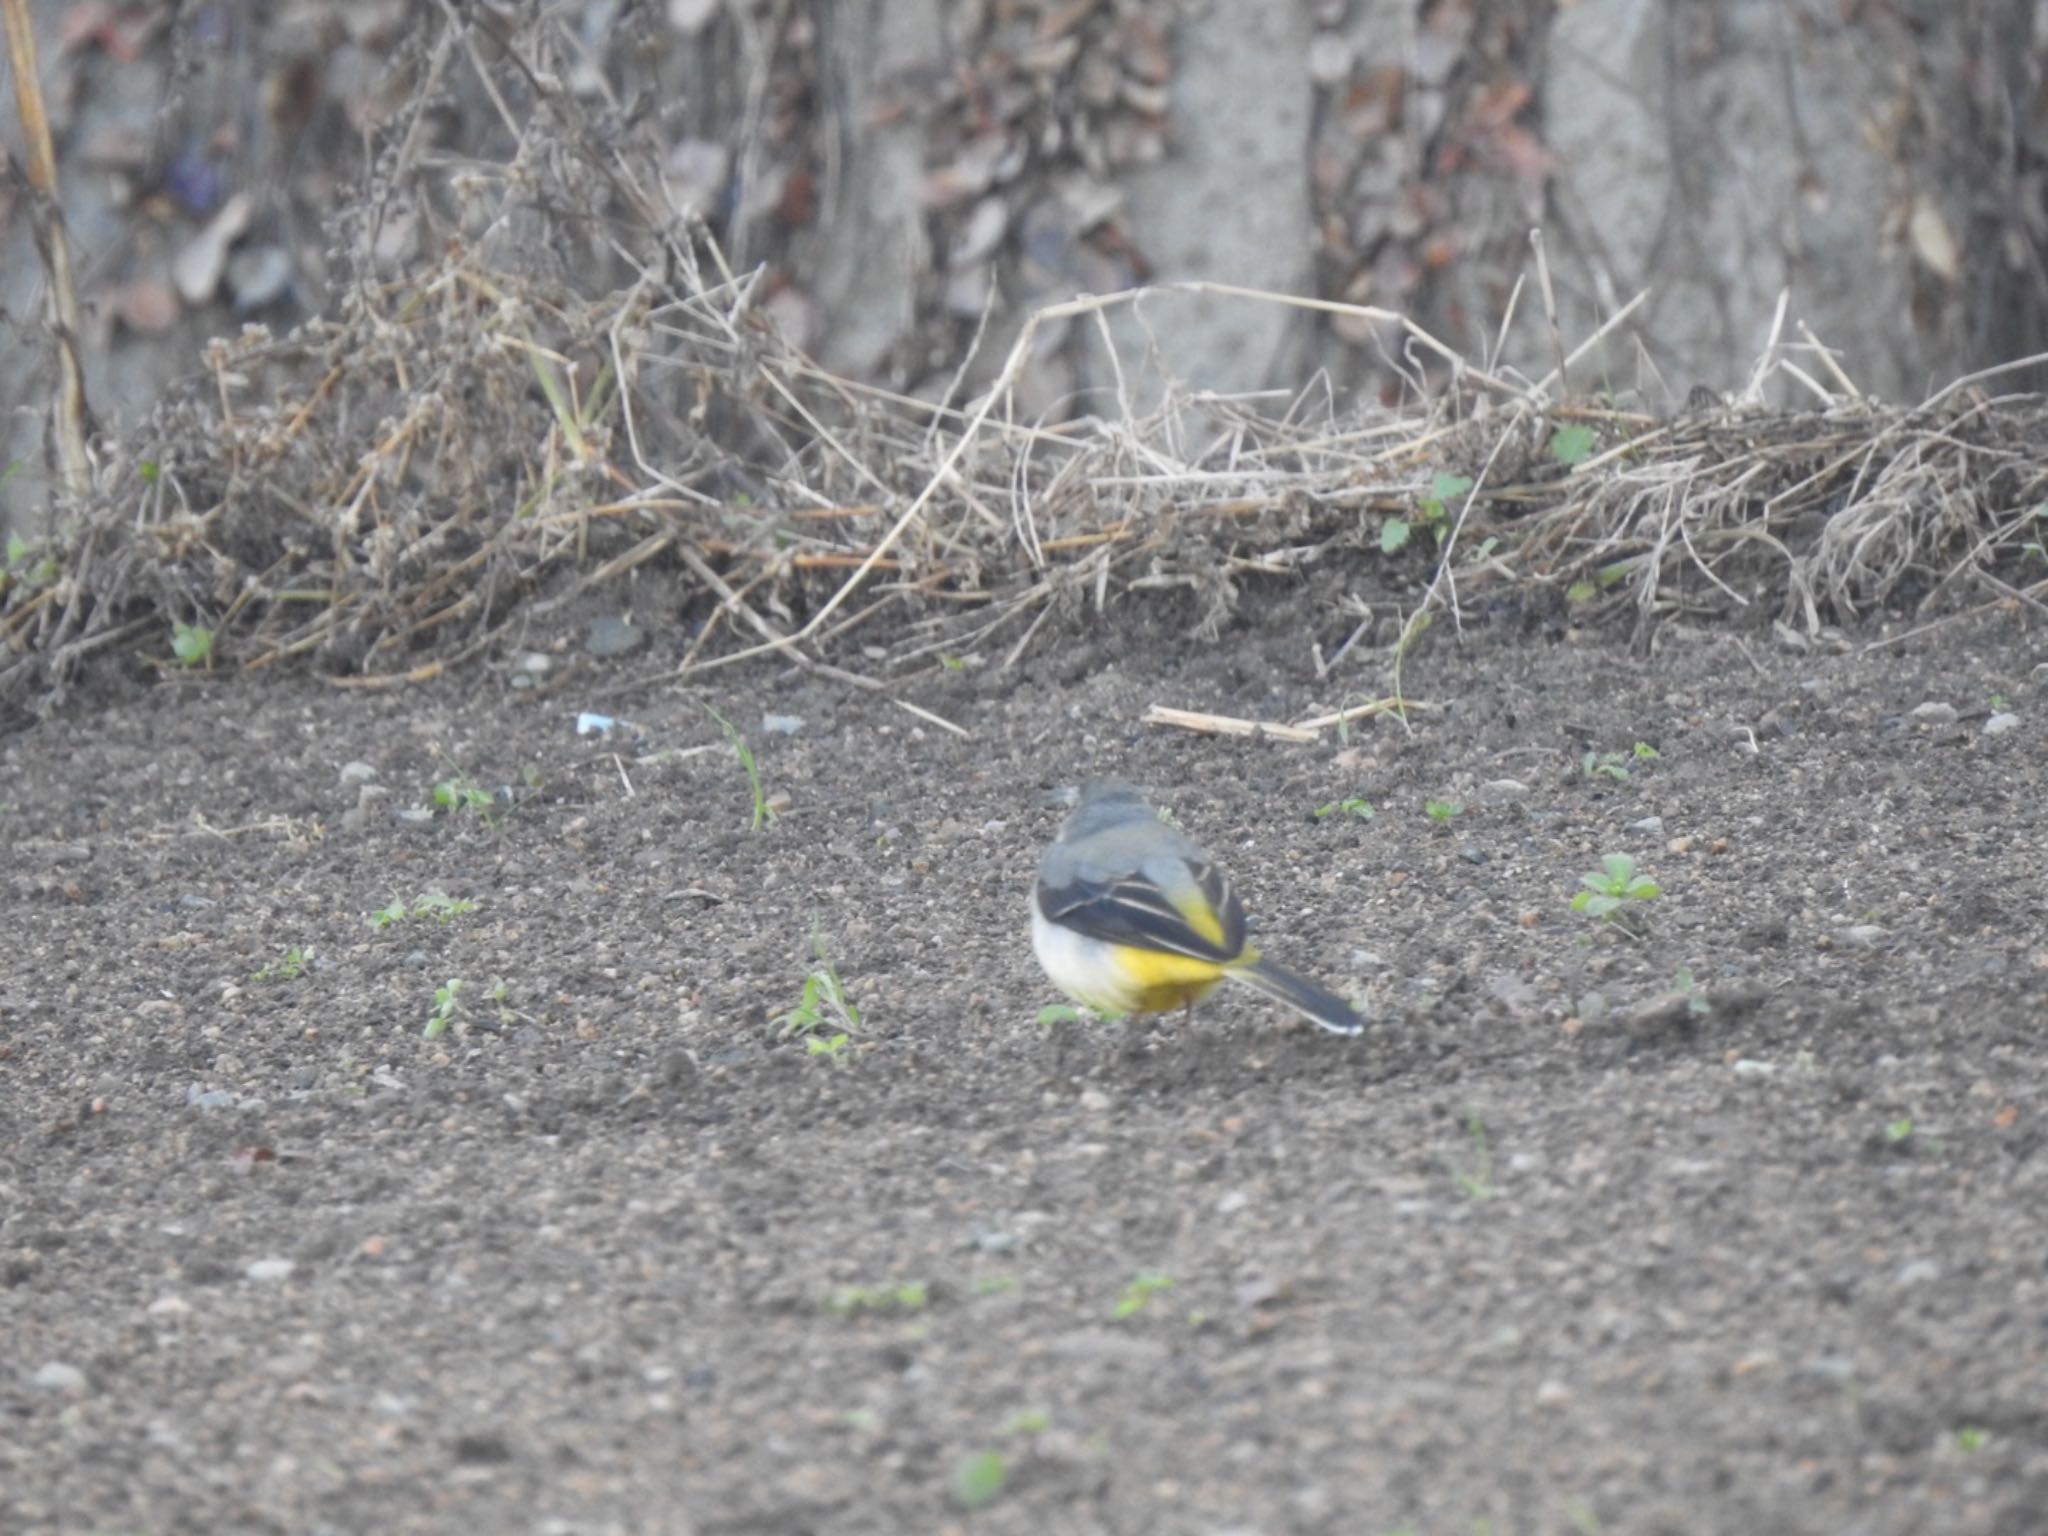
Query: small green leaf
x=1581 y=592
x=1394 y=535
x=17 y=549
x=1571 y=445
x=192 y=644
x=1620 y=867
x=1446 y=487
x=1058 y=1013
x=1143 y=1286
x=979 y=1479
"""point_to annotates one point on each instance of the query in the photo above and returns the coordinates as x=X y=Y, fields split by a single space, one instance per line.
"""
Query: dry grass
x=397 y=489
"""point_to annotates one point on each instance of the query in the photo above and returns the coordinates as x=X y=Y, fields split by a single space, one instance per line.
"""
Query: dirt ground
x=1738 y=1224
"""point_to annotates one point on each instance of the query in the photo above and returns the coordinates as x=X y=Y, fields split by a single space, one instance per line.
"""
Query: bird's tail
x=1306 y=998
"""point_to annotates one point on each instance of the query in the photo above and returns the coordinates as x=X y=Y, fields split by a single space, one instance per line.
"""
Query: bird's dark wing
x=1206 y=924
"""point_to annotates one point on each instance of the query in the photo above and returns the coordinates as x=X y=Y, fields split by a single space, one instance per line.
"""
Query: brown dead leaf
x=1932 y=240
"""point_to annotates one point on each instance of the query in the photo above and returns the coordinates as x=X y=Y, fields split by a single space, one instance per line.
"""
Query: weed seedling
x=1695 y=995
x=1571 y=445
x=440 y=906
x=1354 y=806
x=384 y=917
x=1899 y=1130
x=1138 y=1294
x=1615 y=765
x=192 y=644
x=290 y=968
x=1614 y=888
x=1058 y=1013
x=852 y=1300
x=979 y=1479
x=444 y=1010
x=762 y=815
x=1443 y=812
x=462 y=793
x=824 y=1004
x=1430 y=513
x=832 y=1047
x=1476 y=1177
x=1970 y=1438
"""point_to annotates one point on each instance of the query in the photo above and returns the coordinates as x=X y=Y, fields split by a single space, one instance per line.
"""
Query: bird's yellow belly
x=1156 y=982
x=1119 y=978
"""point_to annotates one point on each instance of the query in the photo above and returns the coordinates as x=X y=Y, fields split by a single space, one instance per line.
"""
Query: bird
x=1129 y=915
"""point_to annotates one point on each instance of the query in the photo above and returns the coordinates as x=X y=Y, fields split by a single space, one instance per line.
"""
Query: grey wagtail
x=1130 y=916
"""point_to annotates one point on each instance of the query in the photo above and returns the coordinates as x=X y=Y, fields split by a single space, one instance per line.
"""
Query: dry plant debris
x=469 y=441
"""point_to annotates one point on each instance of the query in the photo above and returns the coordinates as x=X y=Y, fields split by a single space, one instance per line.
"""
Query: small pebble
x=1649 y=826
x=1862 y=936
x=612 y=634
x=1095 y=1101
x=57 y=1376
x=782 y=725
x=1503 y=792
x=357 y=772
x=1934 y=713
x=269 y=1271
x=2000 y=723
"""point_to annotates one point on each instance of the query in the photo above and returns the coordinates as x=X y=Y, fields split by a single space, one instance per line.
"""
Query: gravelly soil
x=1550 y=1249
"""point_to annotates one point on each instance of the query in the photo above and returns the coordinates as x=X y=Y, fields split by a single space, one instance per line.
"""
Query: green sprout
x=1354 y=806
x=1476 y=1177
x=19 y=552
x=1607 y=576
x=290 y=968
x=1058 y=1013
x=1899 y=1130
x=192 y=644
x=762 y=813
x=824 y=1005
x=978 y=1479
x=852 y=1300
x=1616 y=765
x=444 y=1010
x=1430 y=513
x=1571 y=445
x=1612 y=887
x=1134 y=1297
x=832 y=1047
x=1695 y=995
x=1443 y=812
x=1971 y=1438
x=462 y=793
x=440 y=906
x=384 y=917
